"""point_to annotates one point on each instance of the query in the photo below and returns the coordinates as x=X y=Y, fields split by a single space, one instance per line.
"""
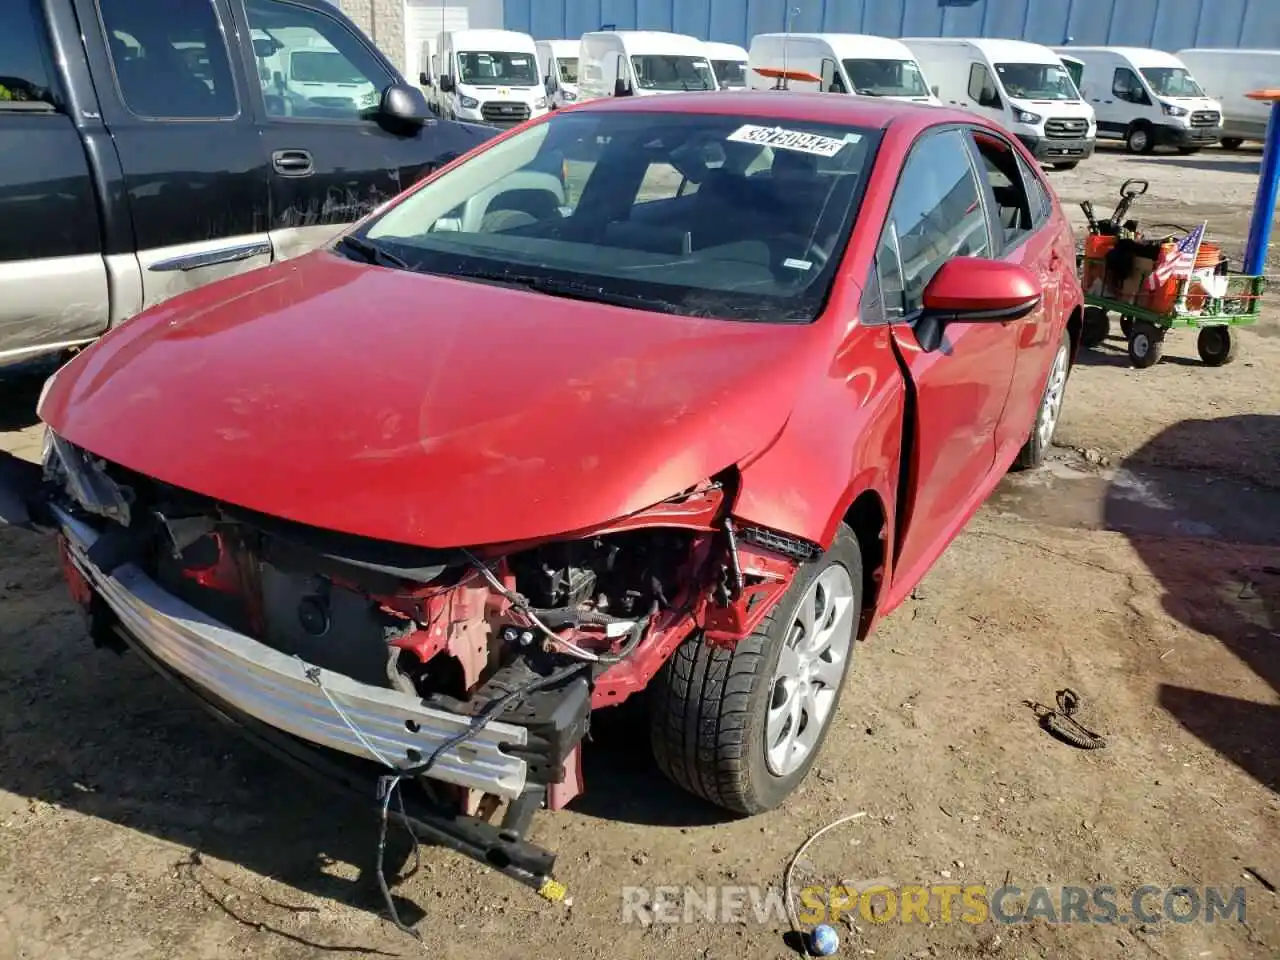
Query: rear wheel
x=1096 y=327
x=742 y=727
x=1139 y=139
x=1217 y=346
x=1037 y=446
x=1146 y=344
x=1232 y=143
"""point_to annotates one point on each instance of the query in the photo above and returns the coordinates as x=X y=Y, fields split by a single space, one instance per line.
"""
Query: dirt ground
x=1140 y=568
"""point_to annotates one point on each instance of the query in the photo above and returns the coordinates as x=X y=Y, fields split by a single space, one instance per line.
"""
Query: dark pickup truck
x=150 y=146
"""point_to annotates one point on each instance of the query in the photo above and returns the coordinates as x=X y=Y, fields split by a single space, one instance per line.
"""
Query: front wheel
x=1217 y=346
x=1067 y=165
x=1232 y=143
x=1146 y=344
x=1139 y=139
x=742 y=727
x=1037 y=446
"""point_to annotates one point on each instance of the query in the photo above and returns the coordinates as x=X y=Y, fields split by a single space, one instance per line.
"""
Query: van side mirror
x=403 y=103
x=446 y=83
x=990 y=99
x=934 y=88
x=621 y=88
x=424 y=79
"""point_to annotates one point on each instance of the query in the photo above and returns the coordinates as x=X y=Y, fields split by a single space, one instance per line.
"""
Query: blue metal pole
x=1264 y=205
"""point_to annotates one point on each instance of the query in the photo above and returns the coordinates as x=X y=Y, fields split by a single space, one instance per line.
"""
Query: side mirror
x=403 y=103
x=446 y=83
x=975 y=290
x=934 y=88
x=548 y=85
x=424 y=79
x=990 y=99
x=621 y=88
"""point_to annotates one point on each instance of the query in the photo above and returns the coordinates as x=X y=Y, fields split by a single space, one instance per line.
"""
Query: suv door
x=175 y=104
x=939 y=212
x=332 y=159
x=53 y=280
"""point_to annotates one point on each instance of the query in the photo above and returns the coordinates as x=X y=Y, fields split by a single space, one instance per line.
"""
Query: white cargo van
x=558 y=67
x=1226 y=76
x=487 y=76
x=837 y=63
x=1147 y=98
x=624 y=63
x=729 y=61
x=1022 y=86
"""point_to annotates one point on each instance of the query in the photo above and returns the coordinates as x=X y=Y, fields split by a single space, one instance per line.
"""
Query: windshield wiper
x=370 y=252
x=570 y=289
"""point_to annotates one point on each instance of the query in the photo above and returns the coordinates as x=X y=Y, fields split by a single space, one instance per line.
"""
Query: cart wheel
x=1217 y=345
x=1096 y=327
x=1146 y=344
x=1126 y=326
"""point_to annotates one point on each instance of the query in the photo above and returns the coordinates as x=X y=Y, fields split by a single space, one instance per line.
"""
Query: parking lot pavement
x=1137 y=568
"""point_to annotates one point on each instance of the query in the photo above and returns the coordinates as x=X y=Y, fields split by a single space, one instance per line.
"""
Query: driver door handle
x=292 y=163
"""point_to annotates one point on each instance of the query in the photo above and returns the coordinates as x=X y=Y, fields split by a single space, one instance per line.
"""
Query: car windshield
x=492 y=67
x=1037 y=81
x=1172 y=82
x=568 y=69
x=709 y=215
x=662 y=71
x=316 y=66
x=730 y=73
x=886 y=78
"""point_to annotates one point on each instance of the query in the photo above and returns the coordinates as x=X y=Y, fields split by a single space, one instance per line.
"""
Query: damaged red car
x=675 y=395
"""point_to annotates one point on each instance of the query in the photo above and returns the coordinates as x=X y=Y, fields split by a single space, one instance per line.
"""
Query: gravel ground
x=1140 y=567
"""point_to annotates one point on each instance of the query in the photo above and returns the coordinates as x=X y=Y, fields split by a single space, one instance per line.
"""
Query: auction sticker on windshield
x=784 y=139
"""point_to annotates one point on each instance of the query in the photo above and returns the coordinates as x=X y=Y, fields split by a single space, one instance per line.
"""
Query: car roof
x=867 y=112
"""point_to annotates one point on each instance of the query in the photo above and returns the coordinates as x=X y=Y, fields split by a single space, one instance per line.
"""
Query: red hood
x=421 y=409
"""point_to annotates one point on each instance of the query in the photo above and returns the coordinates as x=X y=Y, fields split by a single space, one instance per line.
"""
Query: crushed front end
x=465 y=675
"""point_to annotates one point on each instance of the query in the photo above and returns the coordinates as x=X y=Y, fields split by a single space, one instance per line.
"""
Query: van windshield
x=688 y=213
x=317 y=66
x=1172 y=82
x=664 y=71
x=568 y=69
x=1037 y=81
x=731 y=73
x=493 y=67
x=886 y=78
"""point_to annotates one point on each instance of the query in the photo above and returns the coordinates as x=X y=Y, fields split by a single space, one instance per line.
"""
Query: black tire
x=1139 y=139
x=1126 y=326
x=1037 y=446
x=1232 y=143
x=1067 y=165
x=1096 y=327
x=1217 y=346
x=1146 y=344
x=708 y=704
x=1188 y=151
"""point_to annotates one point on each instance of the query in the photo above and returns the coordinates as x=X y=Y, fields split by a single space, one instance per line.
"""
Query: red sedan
x=677 y=394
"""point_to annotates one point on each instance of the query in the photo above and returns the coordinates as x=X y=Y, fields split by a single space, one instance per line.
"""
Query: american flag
x=1180 y=262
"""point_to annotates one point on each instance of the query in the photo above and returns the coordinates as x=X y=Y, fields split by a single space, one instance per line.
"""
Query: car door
x=332 y=160
x=174 y=103
x=958 y=391
x=1022 y=233
x=53 y=279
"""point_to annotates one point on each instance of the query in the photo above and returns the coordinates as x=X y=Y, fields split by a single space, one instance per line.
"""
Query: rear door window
x=170 y=59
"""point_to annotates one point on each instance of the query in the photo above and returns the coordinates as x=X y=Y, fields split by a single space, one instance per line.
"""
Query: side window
x=311 y=66
x=982 y=88
x=1126 y=86
x=170 y=59
x=1013 y=208
x=662 y=181
x=937 y=214
x=1038 y=191
x=26 y=70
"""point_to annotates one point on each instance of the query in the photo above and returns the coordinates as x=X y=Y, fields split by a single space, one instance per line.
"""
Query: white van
x=1226 y=76
x=487 y=76
x=837 y=63
x=729 y=61
x=1147 y=98
x=624 y=63
x=1022 y=86
x=558 y=67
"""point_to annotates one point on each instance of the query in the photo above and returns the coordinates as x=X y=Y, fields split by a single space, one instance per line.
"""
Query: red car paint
x=439 y=412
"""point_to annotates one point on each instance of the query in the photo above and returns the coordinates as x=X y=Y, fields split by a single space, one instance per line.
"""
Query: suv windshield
x=886 y=78
x=698 y=214
x=661 y=71
x=731 y=73
x=568 y=69
x=1172 y=82
x=1037 y=81
x=491 y=68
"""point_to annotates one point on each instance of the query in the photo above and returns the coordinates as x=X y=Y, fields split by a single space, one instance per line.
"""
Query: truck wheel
x=1139 y=139
x=1146 y=344
x=1218 y=346
x=1096 y=327
x=742 y=727
x=1232 y=143
x=1037 y=446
